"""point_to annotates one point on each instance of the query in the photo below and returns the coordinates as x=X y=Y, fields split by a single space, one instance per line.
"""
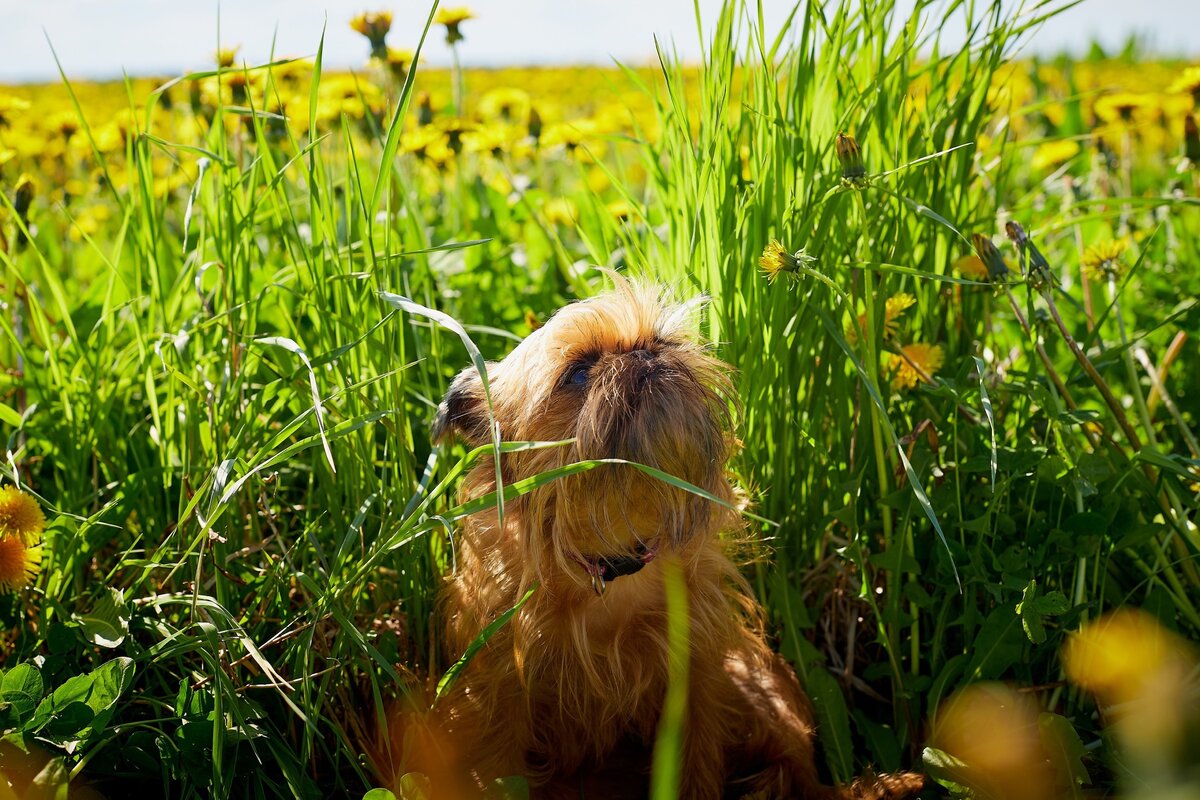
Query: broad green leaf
x=833 y=722
x=107 y=624
x=20 y=691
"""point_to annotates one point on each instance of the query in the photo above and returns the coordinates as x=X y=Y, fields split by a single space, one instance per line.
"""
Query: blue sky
x=99 y=38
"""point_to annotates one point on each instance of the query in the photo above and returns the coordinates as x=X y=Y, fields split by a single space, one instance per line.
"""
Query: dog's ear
x=463 y=411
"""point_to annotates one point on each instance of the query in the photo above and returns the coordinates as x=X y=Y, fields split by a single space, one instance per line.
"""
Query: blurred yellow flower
x=561 y=211
x=1117 y=654
x=914 y=363
x=452 y=18
x=375 y=26
x=895 y=305
x=1122 y=106
x=1188 y=81
x=993 y=733
x=1102 y=261
x=19 y=563
x=1051 y=154
x=20 y=516
x=226 y=56
x=1146 y=675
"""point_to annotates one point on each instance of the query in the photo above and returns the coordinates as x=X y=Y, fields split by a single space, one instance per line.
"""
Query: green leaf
x=475 y=646
x=384 y=794
x=107 y=624
x=1061 y=741
x=946 y=770
x=20 y=691
x=833 y=722
x=1031 y=620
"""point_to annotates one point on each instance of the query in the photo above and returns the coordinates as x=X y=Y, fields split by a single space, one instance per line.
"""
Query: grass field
x=958 y=285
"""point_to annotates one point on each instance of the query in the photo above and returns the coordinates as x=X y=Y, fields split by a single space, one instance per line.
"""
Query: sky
x=100 y=38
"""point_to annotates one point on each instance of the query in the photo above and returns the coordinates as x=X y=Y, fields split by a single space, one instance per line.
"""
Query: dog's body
x=570 y=693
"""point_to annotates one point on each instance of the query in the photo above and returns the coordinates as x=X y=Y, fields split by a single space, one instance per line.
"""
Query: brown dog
x=571 y=691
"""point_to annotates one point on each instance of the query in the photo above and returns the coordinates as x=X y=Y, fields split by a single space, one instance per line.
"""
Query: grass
x=226 y=415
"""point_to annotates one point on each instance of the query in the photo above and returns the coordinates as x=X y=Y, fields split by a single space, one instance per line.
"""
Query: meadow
x=958 y=284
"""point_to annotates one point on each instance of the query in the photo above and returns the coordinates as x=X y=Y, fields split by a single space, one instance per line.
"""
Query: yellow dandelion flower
x=19 y=563
x=896 y=305
x=375 y=26
x=970 y=267
x=1114 y=655
x=561 y=211
x=226 y=56
x=452 y=18
x=622 y=211
x=776 y=260
x=20 y=515
x=915 y=363
x=1188 y=81
x=1102 y=261
x=1051 y=154
x=1121 y=106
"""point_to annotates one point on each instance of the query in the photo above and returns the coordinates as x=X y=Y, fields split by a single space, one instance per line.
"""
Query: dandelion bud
x=989 y=254
x=535 y=125
x=1034 y=260
x=850 y=157
x=23 y=196
x=1191 y=139
x=424 y=109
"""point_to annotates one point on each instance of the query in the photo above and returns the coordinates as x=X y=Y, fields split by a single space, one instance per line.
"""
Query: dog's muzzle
x=603 y=569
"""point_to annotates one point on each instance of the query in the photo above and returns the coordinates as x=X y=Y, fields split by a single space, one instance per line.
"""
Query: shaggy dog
x=570 y=692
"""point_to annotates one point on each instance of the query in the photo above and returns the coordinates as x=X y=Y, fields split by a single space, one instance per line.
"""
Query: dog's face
x=623 y=376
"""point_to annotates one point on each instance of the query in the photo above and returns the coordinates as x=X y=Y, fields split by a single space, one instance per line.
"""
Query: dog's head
x=623 y=375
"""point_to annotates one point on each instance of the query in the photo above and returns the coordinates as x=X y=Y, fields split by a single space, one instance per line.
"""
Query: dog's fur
x=571 y=691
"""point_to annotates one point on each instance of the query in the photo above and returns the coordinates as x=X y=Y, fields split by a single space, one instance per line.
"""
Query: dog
x=570 y=692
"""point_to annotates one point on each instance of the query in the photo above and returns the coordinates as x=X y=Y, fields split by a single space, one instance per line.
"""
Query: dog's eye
x=577 y=375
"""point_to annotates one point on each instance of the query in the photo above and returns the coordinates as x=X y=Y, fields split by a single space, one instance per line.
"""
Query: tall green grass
x=229 y=423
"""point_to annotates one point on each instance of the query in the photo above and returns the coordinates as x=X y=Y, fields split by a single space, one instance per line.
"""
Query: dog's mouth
x=603 y=569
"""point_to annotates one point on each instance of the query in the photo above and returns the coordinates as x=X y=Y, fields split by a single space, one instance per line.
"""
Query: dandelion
x=1051 y=154
x=914 y=364
x=375 y=26
x=452 y=18
x=896 y=305
x=20 y=516
x=399 y=62
x=1102 y=261
x=226 y=56
x=1188 y=81
x=561 y=211
x=1145 y=673
x=850 y=157
x=999 y=749
x=19 y=563
x=621 y=210
x=776 y=261
x=1121 y=106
